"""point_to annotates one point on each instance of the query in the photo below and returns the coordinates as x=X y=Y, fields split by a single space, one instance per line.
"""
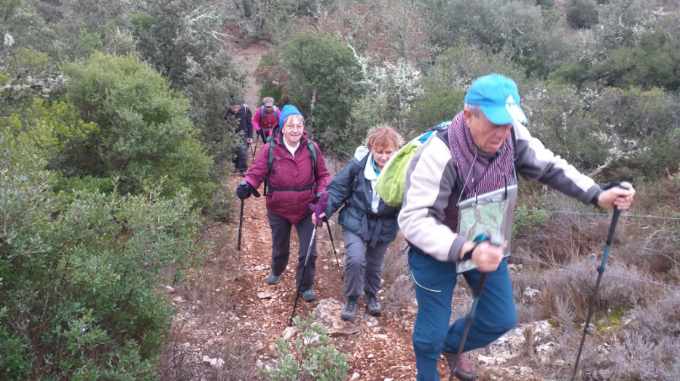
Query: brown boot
x=463 y=371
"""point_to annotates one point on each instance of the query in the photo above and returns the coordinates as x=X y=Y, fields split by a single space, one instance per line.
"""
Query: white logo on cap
x=516 y=113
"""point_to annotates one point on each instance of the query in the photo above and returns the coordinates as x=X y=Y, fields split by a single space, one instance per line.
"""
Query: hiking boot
x=309 y=295
x=372 y=305
x=465 y=370
x=349 y=311
x=272 y=279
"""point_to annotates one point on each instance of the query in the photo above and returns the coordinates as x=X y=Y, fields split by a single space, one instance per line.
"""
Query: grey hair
x=473 y=109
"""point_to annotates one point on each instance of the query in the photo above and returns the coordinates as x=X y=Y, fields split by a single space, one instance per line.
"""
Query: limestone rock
x=327 y=313
x=216 y=363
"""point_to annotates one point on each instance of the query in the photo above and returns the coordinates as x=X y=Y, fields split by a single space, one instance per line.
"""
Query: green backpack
x=392 y=179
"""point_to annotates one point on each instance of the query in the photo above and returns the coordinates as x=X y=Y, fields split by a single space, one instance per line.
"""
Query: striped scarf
x=481 y=173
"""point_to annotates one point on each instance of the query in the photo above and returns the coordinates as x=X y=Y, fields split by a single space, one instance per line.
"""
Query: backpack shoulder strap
x=270 y=155
x=359 y=170
x=312 y=152
x=261 y=113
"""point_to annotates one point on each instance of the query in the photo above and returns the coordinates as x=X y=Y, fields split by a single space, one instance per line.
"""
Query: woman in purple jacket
x=296 y=174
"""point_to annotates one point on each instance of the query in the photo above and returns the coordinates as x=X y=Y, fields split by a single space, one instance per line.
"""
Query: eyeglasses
x=296 y=126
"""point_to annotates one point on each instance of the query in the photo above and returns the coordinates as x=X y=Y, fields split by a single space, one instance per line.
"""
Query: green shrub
x=15 y=362
x=78 y=274
x=528 y=218
x=536 y=41
x=610 y=131
x=143 y=132
x=311 y=356
x=445 y=84
x=582 y=14
x=324 y=79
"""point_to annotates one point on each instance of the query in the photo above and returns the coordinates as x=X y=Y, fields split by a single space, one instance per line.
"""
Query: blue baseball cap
x=497 y=96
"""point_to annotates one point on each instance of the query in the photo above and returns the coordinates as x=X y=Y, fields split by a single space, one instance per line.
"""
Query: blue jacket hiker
x=368 y=224
x=478 y=155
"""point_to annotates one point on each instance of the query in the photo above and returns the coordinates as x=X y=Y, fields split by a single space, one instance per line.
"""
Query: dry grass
x=636 y=326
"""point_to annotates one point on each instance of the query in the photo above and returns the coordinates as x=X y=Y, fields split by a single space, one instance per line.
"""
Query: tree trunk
x=311 y=108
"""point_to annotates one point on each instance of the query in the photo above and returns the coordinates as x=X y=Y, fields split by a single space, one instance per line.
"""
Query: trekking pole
x=337 y=262
x=240 y=226
x=600 y=271
x=255 y=148
x=302 y=276
x=240 y=222
x=470 y=317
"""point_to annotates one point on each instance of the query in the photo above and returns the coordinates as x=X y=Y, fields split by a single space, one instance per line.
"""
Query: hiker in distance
x=482 y=151
x=368 y=224
x=238 y=114
x=266 y=118
x=295 y=173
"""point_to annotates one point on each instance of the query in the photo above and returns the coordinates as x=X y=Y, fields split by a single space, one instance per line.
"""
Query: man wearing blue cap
x=479 y=155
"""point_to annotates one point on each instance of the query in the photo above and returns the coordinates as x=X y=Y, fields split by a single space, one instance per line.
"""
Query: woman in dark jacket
x=369 y=225
x=296 y=173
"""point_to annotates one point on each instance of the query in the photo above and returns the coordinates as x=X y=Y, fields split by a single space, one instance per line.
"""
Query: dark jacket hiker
x=369 y=225
x=352 y=191
x=240 y=115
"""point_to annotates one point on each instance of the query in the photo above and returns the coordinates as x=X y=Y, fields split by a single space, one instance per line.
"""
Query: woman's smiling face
x=293 y=129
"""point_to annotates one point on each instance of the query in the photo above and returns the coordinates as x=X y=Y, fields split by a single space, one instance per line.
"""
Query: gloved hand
x=244 y=190
x=319 y=209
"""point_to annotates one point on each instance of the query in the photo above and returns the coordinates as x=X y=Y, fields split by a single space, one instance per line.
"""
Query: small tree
x=324 y=79
x=144 y=133
x=582 y=14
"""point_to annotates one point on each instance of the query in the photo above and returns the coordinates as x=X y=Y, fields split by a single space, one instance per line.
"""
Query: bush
x=324 y=78
x=645 y=349
x=78 y=275
x=621 y=289
x=619 y=133
x=560 y=117
x=528 y=218
x=536 y=40
x=311 y=356
x=445 y=84
x=651 y=63
x=582 y=14
x=15 y=362
x=143 y=134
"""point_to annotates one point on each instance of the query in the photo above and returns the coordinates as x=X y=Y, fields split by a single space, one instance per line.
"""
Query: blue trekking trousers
x=432 y=335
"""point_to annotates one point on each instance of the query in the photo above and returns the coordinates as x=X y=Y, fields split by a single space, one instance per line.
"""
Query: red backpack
x=268 y=121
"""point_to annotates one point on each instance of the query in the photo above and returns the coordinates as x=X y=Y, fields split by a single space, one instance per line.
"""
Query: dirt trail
x=246 y=61
x=228 y=319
